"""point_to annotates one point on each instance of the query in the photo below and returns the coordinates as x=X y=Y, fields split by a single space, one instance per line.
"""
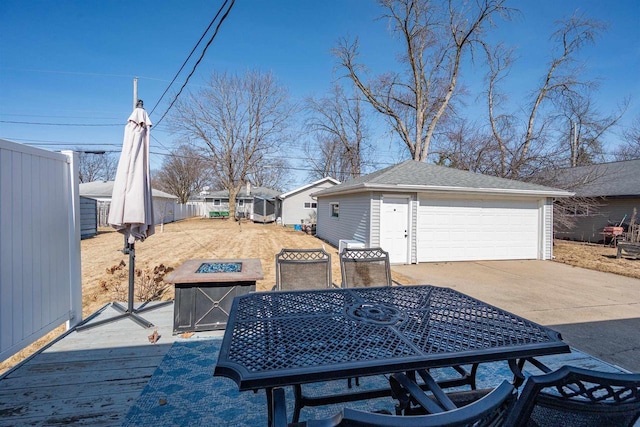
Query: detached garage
x=421 y=212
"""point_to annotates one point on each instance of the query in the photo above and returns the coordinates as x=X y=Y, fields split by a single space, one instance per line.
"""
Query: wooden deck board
x=91 y=377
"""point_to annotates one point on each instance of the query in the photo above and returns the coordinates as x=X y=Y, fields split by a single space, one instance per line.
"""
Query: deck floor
x=91 y=377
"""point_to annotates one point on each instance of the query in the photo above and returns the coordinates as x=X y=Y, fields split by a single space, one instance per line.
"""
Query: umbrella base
x=126 y=313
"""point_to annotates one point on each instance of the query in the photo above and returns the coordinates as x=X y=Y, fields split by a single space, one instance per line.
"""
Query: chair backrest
x=574 y=396
x=303 y=269
x=365 y=267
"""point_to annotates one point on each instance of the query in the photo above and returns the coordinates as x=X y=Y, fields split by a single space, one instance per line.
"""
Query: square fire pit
x=204 y=291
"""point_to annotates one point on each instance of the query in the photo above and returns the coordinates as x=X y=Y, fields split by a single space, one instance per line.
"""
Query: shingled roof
x=412 y=175
x=615 y=179
x=104 y=189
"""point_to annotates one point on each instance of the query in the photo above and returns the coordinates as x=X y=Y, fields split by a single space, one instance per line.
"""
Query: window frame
x=335 y=209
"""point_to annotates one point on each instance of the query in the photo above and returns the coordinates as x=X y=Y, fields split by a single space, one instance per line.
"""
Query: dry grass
x=595 y=257
x=105 y=278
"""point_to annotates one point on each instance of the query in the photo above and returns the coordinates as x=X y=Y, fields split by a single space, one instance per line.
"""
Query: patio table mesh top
x=278 y=333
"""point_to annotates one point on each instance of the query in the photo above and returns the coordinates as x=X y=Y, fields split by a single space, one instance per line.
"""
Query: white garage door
x=467 y=230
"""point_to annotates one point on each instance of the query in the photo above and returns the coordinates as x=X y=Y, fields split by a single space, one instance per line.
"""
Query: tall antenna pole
x=135 y=92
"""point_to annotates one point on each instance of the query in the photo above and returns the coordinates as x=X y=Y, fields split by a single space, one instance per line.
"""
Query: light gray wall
x=293 y=210
x=547 y=229
x=88 y=217
x=588 y=228
x=353 y=222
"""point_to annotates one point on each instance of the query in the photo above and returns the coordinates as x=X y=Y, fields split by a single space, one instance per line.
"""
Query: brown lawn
x=105 y=273
x=595 y=257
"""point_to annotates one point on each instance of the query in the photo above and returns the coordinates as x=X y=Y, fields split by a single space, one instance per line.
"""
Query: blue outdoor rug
x=184 y=392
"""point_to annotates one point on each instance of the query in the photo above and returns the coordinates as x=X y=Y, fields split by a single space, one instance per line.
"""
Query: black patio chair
x=365 y=267
x=487 y=411
x=574 y=396
x=428 y=397
x=303 y=269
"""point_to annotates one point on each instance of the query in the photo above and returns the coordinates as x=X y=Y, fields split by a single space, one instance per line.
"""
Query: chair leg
x=297 y=393
x=350 y=384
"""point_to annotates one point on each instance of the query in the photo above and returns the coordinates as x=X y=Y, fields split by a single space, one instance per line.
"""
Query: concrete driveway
x=598 y=313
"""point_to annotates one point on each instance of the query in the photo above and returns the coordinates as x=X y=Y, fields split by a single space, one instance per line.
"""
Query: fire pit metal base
x=205 y=289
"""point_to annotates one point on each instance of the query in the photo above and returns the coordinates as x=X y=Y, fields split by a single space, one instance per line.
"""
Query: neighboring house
x=615 y=188
x=260 y=204
x=101 y=191
x=88 y=217
x=421 y=212
x=298 y=206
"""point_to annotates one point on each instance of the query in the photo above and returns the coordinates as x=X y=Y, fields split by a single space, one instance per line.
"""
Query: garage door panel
x=462 y=230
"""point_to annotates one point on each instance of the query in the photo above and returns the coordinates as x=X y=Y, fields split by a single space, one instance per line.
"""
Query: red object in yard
x=616 y=231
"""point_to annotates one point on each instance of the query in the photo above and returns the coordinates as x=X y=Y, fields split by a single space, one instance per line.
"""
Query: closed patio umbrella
x=131 y=209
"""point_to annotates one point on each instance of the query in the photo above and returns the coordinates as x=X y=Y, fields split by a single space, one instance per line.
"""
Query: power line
x=201 y=57
x=189 y=57
x=59 y=124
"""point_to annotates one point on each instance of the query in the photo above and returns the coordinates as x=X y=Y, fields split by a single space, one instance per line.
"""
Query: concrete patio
x=598 y=313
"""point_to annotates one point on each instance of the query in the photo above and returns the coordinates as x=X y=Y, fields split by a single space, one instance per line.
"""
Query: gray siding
x=413 y=208
x=88 y=218
x=547 y=229
x=588 y=228
x=293 y=210
x=353 y=222
x=376 y=207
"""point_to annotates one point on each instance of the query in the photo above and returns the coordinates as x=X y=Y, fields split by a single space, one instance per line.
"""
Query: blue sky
x=73 y=62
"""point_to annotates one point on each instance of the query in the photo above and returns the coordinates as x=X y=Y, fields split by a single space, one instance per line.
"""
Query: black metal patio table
x=290 y=338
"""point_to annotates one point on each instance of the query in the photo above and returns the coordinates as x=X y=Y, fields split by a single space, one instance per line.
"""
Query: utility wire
x=56 y=124
x=199 y=59
x=189 y=57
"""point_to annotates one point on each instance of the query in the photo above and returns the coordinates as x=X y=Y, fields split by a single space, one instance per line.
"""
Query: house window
x=240 y=203
x=577 y=210
x=216 y=202
x=335 y=209
x=310 y=205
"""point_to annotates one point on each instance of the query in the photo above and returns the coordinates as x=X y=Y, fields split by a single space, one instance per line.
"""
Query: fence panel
x=189 y=210
x=40 y=284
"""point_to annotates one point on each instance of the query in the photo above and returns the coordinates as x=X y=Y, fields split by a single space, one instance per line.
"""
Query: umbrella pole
x=130 y=312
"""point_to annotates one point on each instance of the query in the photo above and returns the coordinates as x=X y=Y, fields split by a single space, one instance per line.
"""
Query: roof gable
x=313 y=184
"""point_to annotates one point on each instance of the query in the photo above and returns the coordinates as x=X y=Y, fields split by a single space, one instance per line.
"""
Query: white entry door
x=394 y=228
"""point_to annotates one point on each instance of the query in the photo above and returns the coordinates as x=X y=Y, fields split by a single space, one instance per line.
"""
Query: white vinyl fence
x=40 y=278
x=164 y=211
x=188 y=210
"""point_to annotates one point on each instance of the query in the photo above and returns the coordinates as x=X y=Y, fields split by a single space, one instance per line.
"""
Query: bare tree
x=273 y=173
x=466 y=146
x=584 y=127
x=96 y=166
x=436 y=37
x=323 y=157
x=240 y=120
x=183 y=172
x=338 y=125
x=630 y=149
x=523 y=151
